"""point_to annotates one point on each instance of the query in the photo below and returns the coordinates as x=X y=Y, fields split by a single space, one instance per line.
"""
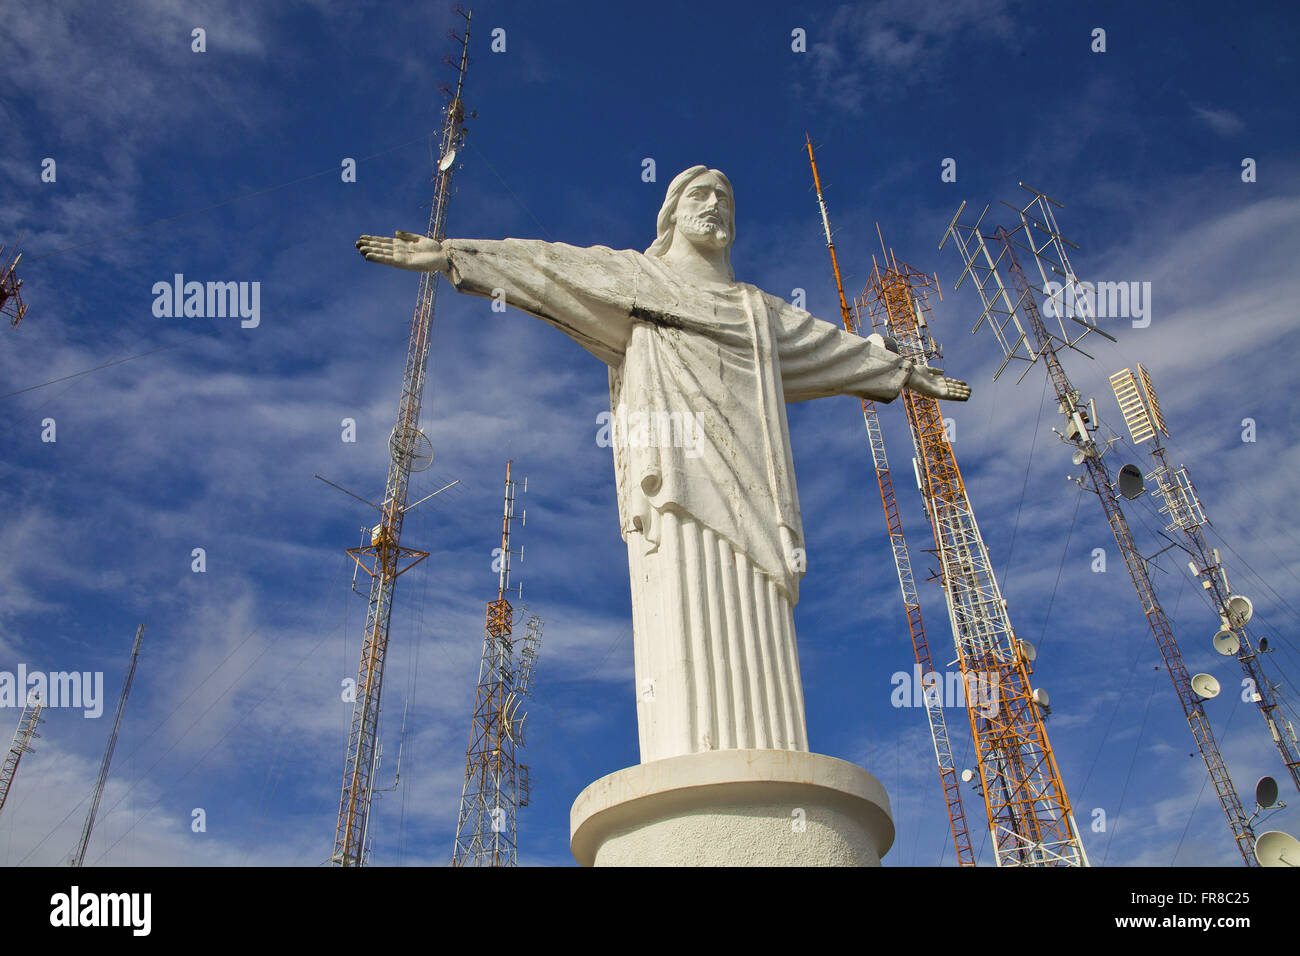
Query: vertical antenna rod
x=80 y=855
x=386 y=559
x=903 y=565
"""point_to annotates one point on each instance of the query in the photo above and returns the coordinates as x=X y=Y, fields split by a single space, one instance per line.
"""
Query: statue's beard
x=699 y=227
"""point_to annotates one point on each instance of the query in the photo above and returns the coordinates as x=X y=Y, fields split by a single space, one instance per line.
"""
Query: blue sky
x=212 y=441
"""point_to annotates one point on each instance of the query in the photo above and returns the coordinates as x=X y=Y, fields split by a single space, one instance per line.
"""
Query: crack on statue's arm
x=655 y=317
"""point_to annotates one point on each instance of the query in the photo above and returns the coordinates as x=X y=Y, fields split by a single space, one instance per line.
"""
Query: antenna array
x=1022 y=335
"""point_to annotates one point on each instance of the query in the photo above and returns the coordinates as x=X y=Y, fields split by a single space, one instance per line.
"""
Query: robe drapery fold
x=717 y=664
x=716 y=487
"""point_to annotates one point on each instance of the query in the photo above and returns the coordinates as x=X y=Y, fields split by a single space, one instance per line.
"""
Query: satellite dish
x=412 y=448
x=1239 y=610
x=1205 y=686
x=1263 y=644
x=1030 y=652
x=967 y=775
x=1226 y=642
x=1130 y=482
x=1041 y=698
x=1266 y=792
x=1078 y=457
x=445 y=163
x=1276 y=848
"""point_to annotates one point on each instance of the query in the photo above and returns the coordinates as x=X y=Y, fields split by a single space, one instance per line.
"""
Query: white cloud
x=1223 y=122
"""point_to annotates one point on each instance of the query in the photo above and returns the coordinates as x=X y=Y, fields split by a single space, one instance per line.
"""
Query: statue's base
x=734 y=808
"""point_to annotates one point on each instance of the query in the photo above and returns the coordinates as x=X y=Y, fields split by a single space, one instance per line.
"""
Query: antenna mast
x=384 y=559
x=1008 y=321
x=27 y=722
x=903 y=565
x=496 y=786
x=80 y=855
x=1142 y=415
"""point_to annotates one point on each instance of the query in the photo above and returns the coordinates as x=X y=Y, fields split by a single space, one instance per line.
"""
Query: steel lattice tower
x=1141 y=411
x=1017 y=323
x=384 y=559
x=79 y=856
x=27 y=723
x=1029 y=814
x=496 y=785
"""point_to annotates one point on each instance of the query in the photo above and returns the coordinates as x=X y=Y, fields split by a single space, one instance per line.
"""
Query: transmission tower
x=79 y=855
x=903 y=565
x=1141 y=411
x=384 y=558
x=1029 y=813
x=27 y=723
x=496 y=785
x=1022 y=335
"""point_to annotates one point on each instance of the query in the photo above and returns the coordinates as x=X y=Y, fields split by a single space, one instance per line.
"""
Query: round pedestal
x=734 y=808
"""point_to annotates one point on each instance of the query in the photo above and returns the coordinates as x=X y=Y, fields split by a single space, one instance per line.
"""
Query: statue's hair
x=669 y=209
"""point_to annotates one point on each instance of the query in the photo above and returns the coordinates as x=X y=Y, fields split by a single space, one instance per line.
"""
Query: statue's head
x=701 y=206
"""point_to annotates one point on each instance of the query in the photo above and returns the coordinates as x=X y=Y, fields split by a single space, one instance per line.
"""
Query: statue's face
x=704 y=212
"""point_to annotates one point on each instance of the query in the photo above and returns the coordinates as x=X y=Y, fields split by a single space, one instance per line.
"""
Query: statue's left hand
x=932 y=382
x=405 y=251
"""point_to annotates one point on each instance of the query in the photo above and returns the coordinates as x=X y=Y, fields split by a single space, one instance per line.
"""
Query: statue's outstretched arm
x=587 y=293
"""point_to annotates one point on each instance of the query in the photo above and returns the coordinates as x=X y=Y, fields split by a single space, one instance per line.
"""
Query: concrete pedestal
x=734 y=808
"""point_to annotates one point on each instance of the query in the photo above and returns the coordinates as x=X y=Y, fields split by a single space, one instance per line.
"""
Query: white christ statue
x=709 y=511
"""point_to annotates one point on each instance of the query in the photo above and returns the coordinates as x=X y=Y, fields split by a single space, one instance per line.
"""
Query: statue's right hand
x=405 y=251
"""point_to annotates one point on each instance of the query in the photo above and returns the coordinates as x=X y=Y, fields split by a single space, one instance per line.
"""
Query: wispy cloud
x=1223 y=122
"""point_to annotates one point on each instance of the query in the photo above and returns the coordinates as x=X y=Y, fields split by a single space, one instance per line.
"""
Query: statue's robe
x=709 y=512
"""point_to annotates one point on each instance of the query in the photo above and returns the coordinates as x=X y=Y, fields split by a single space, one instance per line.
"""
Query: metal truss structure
x=384 y=558
x=1142 y=416
x=28 y=721
x=496 y=784
x=79 y=855
x=1013 y=315
x=1030 y=819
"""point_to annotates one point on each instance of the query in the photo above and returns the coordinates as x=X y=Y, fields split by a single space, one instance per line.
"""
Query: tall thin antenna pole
x=903 y=565
x=384 y=559
x=80 y=855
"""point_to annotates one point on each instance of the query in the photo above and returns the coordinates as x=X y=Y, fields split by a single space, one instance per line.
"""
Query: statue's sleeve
x=818 y=359
x=586 y=293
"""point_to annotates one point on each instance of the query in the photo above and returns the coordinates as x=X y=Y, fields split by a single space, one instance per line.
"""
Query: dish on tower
x=1276 y=848
x=1205 y=686
x=1226 y=642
